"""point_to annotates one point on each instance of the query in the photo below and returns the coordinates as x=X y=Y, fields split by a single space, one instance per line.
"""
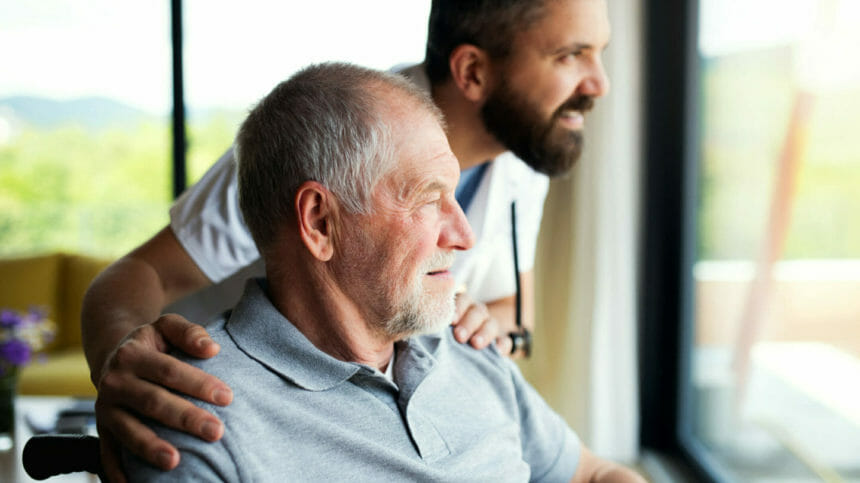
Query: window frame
x=668 y=243
x=178 y=127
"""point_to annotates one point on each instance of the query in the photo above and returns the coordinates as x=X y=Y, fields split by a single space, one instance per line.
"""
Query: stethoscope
x=522 y=337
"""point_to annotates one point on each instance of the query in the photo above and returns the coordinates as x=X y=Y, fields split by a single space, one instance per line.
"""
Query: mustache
x=439 y=261
x=581 y=103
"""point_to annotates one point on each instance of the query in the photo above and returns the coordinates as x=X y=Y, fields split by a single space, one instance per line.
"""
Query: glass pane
x=234 y=56
x=776 y=362
x=84 y=133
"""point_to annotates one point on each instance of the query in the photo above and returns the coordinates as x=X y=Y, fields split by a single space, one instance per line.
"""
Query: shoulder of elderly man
x=457 y=413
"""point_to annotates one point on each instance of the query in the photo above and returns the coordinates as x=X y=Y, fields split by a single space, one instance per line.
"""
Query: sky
x=121 y=49
x=233 y=56
x=824 y=33
x=726 y=26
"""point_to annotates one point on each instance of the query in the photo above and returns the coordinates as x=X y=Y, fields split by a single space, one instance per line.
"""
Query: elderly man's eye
x=431 y=205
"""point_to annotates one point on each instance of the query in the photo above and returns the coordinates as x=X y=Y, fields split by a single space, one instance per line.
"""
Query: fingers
x=470 y=316
x=118 y=427
x=505 y=344
x=110 y=458
x=134 y=384
x=485 y=334
x=139 y=387
x=475 y=325
x=138 y=358
x=122 y=400
x=462 y=302
x=161 y=405
x=186 y=336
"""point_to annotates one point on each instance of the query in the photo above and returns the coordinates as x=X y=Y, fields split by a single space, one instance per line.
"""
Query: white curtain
x=587 y=269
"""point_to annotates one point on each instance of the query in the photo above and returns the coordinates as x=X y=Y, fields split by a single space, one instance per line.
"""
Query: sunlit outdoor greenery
x=94 y=191
x=209 y=137
x=741 y=151
x=79 y=190
x=103 y=190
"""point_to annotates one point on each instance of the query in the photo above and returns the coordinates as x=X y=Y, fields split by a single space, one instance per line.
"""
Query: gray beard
x=422 y=312
x=420 y=315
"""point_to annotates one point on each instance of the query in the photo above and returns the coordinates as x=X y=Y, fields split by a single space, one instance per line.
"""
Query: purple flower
x=15 y=352
x=37 y=312
x=9 y=318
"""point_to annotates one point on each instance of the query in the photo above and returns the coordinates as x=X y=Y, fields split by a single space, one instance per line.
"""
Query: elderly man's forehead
x=418 y=132
x=398 y=95
x=422 y=157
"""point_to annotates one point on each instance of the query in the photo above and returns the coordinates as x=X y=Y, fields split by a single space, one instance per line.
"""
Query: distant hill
x=90 y=112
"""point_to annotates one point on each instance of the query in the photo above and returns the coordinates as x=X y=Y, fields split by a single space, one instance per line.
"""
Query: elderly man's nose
x=457 y=233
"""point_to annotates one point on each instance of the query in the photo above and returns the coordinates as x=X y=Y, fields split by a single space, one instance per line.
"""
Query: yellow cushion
x=58 y=283
x=29 y=281
x=78 y=272
x=63 y=373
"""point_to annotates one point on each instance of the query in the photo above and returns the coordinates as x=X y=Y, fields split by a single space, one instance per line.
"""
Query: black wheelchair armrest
x=49 y=455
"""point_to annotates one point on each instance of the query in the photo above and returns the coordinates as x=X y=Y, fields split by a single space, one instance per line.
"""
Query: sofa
x=56 y=282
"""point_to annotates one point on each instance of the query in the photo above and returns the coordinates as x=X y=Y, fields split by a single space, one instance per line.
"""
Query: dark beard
x=548 y=149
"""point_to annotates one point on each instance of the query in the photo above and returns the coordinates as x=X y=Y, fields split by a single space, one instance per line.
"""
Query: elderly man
x=347 y=185
x=514 y=79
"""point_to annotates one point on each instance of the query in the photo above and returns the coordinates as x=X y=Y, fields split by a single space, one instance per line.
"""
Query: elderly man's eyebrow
x=435 y=186
x=410 y=192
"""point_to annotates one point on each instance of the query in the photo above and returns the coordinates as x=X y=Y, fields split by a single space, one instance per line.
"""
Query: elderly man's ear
x=315 y=209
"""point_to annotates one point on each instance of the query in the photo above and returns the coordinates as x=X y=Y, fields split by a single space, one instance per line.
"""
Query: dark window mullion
x=179 y=140
x=669 y=233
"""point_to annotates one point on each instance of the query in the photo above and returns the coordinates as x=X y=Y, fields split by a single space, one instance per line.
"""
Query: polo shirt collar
x=259 y=330
x=262 y=332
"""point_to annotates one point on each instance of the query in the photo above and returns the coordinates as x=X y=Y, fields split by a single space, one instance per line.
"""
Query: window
x=235 y=56
x=757 y=246
x=84 y=127
x=776 y=355
x=85 y=101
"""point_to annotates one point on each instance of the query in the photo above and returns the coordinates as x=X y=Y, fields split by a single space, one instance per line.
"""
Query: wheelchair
x=48 y=455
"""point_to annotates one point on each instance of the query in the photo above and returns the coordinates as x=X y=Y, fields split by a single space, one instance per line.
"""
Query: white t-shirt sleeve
x=208 y=223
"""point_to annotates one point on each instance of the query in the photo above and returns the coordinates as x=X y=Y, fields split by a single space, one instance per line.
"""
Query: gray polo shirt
x=451 y=413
